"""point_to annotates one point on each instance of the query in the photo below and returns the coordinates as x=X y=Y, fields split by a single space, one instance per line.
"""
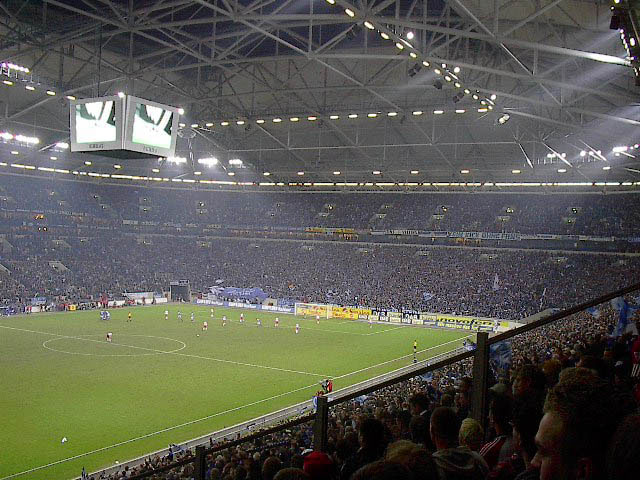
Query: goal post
x=313 y=309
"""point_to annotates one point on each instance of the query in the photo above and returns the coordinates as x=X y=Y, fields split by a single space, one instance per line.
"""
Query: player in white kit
x=166 y=314
x=318 y=319
x=297 y=328
x=258 y=322
x=109 y=337
x=242 y=318
x=179 y=316
x=193 y=318
x=205 y=326
x=224 y=320
x=277 y=323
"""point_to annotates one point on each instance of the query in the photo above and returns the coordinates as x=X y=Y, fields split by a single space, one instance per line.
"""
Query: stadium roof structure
x=335 y=90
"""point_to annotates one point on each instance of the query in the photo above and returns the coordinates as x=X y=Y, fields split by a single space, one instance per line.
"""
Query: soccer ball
x=197 y=334
x=64 y=439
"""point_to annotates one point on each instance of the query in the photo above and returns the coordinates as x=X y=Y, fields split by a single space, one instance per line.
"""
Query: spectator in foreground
x=414 y=457
x=575 y=430
x=381 y=470
x=500 y=448
x=528 y=380
x=623 y=462
x=270 y=467
x=319 y=466
x=471 y=434
x=453 y=461
x=291 y=474
x=527 y=414
x=372 y=446
x=419 y=404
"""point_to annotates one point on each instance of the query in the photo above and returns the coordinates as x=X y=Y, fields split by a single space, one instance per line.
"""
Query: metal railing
x=320 y=418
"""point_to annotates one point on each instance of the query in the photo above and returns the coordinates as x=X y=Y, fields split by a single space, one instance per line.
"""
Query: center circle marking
x=46 y=345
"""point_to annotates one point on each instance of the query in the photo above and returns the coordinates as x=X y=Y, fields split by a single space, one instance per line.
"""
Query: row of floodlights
x=211 y=161
x=27 y=140
x=316 y=184
x=8 y=66
x=53 y=93
x=313 y=118
x=207 y=161
x=450 y=75
x=31 y=88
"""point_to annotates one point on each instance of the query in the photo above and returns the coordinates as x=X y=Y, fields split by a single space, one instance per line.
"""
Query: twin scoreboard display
x=123 y=127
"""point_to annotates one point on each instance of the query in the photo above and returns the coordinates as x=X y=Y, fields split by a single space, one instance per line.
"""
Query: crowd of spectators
x=563 y=410
x=566 y=408
x=499 y=284
x=594 y=214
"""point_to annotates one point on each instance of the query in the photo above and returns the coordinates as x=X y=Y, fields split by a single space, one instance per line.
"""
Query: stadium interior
x=431 y=209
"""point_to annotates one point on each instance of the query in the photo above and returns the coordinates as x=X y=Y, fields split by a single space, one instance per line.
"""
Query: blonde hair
x=471 y=434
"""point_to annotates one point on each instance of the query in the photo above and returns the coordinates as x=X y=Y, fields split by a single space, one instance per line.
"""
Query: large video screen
x=151 y=127
x=96 y=124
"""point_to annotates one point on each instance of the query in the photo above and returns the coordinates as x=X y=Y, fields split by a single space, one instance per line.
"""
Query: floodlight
x=208 y=161
x=176 y=160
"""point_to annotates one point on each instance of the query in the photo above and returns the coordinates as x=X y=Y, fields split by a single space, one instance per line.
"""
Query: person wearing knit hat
x=319 y=466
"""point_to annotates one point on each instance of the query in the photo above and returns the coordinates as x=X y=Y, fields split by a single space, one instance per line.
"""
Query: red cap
x=318 y=465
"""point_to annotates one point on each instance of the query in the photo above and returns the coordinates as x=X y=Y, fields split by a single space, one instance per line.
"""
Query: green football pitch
x=165 y=381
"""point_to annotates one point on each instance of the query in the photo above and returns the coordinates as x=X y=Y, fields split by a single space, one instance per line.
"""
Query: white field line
x=213 y=415
x=147 y=435
x=383 y=331
x=400 y=358
x=169 y=352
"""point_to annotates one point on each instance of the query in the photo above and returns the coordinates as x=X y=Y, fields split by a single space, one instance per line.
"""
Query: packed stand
x=596 y=214
x=500 y=284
